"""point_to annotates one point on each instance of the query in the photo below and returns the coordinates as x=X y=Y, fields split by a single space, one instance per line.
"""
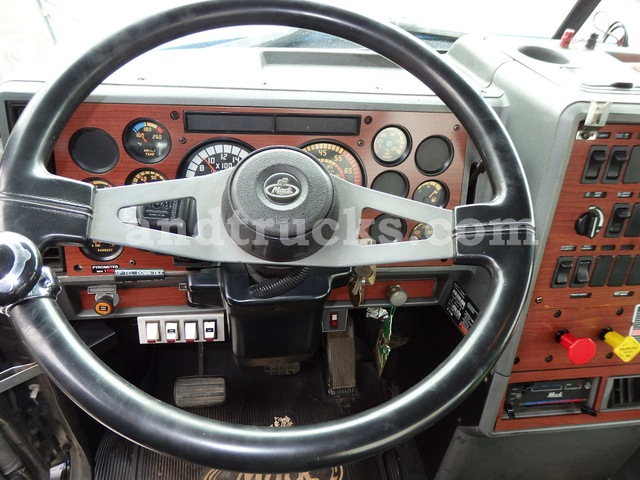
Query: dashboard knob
x=626 y=348
x=589 y=223
x=105 y=303
x=580 y=350
x=397 y=296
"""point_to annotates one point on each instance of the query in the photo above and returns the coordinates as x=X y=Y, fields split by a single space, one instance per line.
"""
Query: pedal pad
x=199 y=391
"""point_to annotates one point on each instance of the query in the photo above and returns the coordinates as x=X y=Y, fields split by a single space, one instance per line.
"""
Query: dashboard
x=573 y=361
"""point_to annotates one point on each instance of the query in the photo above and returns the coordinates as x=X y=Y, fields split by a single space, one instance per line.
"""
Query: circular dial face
x=212 y=157
x=387 y=229
x=145 y=175
x=421 y=231
x=391 y=145
x=146 y=141
x=101 y=251
x=338 y=160
x=433 y=193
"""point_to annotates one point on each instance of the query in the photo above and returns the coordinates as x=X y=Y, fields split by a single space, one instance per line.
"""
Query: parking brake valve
x=580 y=350
x=624 y=347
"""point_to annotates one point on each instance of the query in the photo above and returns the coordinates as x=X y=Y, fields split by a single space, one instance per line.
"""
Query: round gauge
x=387 y=229
x=433 y=193
x=145 y=175
x=212 y=157
x=146 y=141
x=434 y=155
x=101 y=251
x=98 y=182
x=391 y=182
x=340 y=162
x=391 y=145
x=422 y=231
x=94 y=150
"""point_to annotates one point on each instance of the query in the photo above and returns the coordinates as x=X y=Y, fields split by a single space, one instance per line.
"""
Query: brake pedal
x=199 y=391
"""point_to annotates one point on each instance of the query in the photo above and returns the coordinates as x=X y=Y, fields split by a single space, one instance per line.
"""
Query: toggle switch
x=580 y=350
x=626 y=348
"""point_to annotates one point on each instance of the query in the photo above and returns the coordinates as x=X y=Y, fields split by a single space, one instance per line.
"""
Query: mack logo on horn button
x=282 y=188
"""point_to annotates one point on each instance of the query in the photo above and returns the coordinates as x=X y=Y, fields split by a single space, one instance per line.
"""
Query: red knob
x=580 y=350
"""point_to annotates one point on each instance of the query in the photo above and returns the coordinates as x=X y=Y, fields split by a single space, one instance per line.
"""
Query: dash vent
x=622 y=393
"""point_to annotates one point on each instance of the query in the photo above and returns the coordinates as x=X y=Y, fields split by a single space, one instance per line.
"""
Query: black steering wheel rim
x=145 y=420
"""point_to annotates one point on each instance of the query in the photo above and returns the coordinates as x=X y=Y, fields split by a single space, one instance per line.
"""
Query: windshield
x=34 y=31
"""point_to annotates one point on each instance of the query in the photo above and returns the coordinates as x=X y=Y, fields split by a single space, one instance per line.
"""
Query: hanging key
x=363 y=274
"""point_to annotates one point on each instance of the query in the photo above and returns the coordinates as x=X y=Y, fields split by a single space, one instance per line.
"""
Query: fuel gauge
x=422 y=231
x=433 y=193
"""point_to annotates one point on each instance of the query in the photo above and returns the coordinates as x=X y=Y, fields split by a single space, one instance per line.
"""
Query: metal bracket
x=14 y=376
x=47 y=287
x=597 y=115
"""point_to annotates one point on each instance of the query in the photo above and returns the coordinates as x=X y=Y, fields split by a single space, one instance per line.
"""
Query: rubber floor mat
x=253 y=398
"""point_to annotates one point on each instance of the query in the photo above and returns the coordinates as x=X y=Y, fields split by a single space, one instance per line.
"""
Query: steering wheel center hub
x=280 y=204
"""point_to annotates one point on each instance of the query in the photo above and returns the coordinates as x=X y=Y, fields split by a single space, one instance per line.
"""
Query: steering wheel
x=49 y=210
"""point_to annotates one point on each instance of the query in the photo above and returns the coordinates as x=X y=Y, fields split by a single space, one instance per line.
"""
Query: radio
x=557 y=397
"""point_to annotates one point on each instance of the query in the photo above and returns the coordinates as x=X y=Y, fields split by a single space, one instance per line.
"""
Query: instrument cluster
x=409 y=154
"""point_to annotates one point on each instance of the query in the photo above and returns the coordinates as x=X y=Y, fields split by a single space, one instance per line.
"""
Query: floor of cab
x=254 y=398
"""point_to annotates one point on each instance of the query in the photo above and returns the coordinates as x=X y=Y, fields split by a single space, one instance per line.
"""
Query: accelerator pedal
x=199 y=391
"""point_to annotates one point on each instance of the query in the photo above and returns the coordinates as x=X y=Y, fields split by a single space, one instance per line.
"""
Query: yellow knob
x=624 y=347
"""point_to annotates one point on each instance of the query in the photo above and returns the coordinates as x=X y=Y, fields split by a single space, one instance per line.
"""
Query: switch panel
x=188 y=328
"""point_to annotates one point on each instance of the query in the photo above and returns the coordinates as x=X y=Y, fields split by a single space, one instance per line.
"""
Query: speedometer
x=338 y=160
x=213 y=156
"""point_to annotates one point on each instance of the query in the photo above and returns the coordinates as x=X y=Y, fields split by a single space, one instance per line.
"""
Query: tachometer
x=146 y=141
x=339 y=160
x=212 y=157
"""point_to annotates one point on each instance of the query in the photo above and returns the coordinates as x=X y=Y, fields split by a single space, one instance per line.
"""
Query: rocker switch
x=582 y=272
x=563 y=271
x=619 y=156
x=595 y=161
x=619 y=216
x=190 y=332
x=210 y=331
x=152 y=332
x=171 y=332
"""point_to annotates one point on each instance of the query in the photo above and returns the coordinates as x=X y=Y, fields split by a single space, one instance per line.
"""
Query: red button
x=580 y=350
x=333 y=322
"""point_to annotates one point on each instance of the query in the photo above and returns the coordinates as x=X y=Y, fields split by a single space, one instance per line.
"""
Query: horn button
x=280 y=205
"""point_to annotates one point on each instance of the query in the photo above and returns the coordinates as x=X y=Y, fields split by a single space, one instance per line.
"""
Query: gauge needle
x=210 y=166
x=141 y=135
